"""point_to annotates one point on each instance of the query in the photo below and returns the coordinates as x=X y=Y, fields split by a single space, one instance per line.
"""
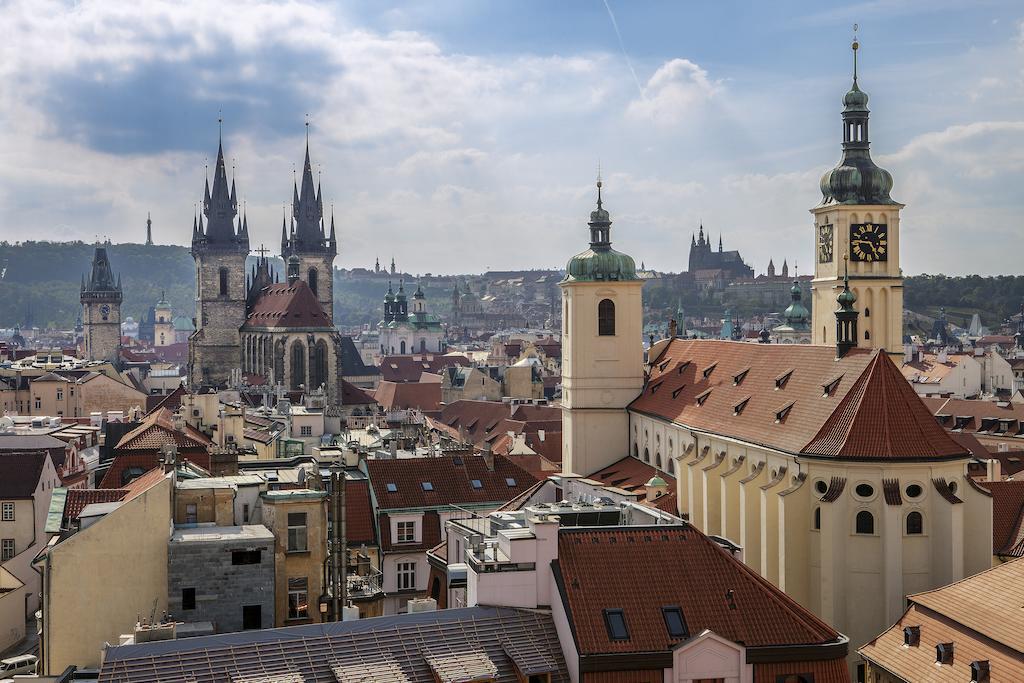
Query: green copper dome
x=796 y=314
x=856 y=179
x=600 y=263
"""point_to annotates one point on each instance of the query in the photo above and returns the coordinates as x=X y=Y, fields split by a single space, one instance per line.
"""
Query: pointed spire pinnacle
x=855 y=46
x=333 y=238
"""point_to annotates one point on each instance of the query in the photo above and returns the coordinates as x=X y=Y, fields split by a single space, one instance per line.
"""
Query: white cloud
x=675 y=89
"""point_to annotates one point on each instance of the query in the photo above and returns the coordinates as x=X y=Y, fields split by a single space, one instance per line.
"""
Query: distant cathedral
x=279 y=333
x=702 y=257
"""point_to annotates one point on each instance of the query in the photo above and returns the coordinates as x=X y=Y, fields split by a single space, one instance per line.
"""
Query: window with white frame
x=298 y=598
x=405 y=532
x=7 y=514
x=406 y=576
x=6 y=549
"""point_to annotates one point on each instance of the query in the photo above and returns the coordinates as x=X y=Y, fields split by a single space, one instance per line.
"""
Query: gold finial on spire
x=856 y=46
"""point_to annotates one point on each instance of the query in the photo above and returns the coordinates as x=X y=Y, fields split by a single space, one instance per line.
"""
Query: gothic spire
x=220 y=205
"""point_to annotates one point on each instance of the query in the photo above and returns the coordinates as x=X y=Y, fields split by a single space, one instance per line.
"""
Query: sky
x=464 y=135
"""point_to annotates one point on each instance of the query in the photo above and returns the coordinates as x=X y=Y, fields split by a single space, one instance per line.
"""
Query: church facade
x=250 y=323
x=819 y=460
x=401 y=332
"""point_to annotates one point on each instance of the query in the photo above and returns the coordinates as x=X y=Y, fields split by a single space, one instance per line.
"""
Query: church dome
x=600 y=263
x=796 y=313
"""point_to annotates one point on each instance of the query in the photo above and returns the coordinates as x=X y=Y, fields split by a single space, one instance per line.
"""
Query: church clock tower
x=858 y=219
x=602 y=350
x=101 y=309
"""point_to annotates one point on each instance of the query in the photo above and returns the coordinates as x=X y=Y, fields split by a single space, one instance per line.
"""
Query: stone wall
x=222 y=589
x=215 y=346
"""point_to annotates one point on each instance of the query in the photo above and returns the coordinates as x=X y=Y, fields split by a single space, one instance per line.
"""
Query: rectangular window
x=406 y=575
x=615 y=622
x=306 y=430
x=406 y=532
x=60 y=395
x=191 y=513
x=8 y=511
x=245 y=556
x=674 y=623
x=297 y=532
x=245 y=513
x=298 y=598
x=188 y=598
x=39 y=404
x=6 y=549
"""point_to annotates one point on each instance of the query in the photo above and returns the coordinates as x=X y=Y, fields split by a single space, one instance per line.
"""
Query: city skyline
x=443 y=129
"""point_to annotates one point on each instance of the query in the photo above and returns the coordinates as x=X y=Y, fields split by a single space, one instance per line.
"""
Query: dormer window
x=830 y=388
x=655 y=387
x=703 y=397
x=709 y=369
x=944 y=653
x=980 y=671
x=738 y=378
x=682 y=366
x=661 y=368
x=738 y=408
x=675 y=392
x=911 y=636
x=780 y=381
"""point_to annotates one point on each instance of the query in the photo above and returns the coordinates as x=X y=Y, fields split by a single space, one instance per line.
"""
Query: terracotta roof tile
x=1007 y=517
x=359 y=526
x=157 y=429
x=425 y=396
x=802 y=399
x=353 y=395
x=77 y=499
x=676 y=565
x=409 y=368
x=287 y=305
x=451 y=479
x=632 y=474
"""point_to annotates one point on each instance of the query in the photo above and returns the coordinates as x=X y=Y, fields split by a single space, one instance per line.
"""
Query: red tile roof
x=451 y=478
x=632 y=475
x=1007 y=517
x=171 y=401
x=801 y=400
x=675 y=566
x=425 y=396
x=77 y=499
x=352 y=395
x=287 y=305
x=358 y=514
x=157 y=429
x=409 y=368
x=485 y=421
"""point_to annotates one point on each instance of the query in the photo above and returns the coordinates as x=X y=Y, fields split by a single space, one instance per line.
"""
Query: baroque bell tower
x=602 y=350
x=219 y=248
x=858 y=219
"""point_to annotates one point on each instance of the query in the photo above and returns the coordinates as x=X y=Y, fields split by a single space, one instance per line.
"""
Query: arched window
x=298 y=365
x=318 y=365
x=423 y=345
x=223 y=282
x=671 y=466
x=817 y=518
x=865 y=522
x=312 y=280
x=915 y=523
x=402 y=347
x=161 y=339
x=657 y=460
x=867 y=312
x=606 y=318
x=647 y=455
x=867 y=334
x=636 y=452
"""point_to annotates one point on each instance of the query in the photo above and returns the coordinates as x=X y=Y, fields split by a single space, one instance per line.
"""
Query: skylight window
x=615 y=622
x=392 y=488
x=477 y=484
x=427 y=486
x=674 y=622
x=510 y=482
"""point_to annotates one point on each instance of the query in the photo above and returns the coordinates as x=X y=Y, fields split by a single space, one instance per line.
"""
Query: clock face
x=825 y=243
x=869 y=242
x=105 y=311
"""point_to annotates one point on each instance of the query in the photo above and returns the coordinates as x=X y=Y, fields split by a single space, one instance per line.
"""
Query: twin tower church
x=819 y=459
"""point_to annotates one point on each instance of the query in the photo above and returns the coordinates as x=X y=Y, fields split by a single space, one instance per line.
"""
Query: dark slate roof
x=352 y=364
x=414 y=648
x=20 y=472
x=30 y=442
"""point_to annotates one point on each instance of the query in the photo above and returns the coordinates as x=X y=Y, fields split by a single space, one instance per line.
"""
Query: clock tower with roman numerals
x=858 y=218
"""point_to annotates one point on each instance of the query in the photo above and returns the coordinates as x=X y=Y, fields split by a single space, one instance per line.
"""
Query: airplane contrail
x=622 y=46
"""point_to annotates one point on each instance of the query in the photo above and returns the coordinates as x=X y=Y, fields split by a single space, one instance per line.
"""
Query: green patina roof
x=55 y=515
x=600 y=263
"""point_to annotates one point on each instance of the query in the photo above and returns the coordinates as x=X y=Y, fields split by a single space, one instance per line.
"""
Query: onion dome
x=401 y=291
x=600 y=262
x=856 y=179
x=846 y=298
x=418 y=294
x=390 y=296
x=796 y=314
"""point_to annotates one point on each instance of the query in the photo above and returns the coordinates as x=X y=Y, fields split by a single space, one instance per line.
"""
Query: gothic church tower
x=857 y=218
x=101 y=309
x=219 y=248
x=316 y=250
x=602 y=350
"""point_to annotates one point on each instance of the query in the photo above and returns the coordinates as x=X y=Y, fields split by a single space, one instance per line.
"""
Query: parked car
x=23 y=664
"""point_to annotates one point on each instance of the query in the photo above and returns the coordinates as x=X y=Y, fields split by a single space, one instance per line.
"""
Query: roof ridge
x=911 y=596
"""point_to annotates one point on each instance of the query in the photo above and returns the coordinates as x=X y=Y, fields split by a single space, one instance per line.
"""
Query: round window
x=952 y=487
x=820 y=486
x=865 y=490
x=914 y=491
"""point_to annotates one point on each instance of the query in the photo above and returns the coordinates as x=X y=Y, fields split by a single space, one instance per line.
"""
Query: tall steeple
x=307 y=209
x=220 y=207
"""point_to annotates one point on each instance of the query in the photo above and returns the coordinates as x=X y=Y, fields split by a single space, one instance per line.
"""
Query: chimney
x=394 y=449
x=488 y=456
x=540 y=434
x=995 y=470
x=908 y=353
x=943 y=356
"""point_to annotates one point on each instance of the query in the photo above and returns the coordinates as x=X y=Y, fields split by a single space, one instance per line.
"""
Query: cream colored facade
x=307 y=563
x=54 y=395
x=99 y=581
x=878 y=284
x=12 y=610
x=765 y=501
x=601 y=374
